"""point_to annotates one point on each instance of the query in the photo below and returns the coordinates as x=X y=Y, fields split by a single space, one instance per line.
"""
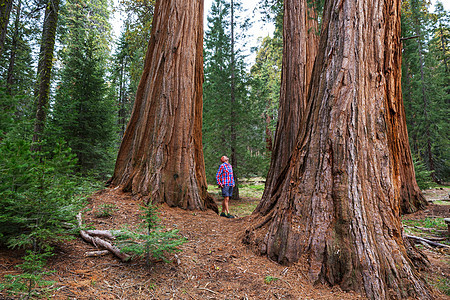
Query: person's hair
x=223 y=159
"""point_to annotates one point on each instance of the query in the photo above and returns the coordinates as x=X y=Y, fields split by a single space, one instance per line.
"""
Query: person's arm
x=231 y=173
x=218 y=177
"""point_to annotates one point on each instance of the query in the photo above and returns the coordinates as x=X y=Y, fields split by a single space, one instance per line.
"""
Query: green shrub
x=423 y=176
x=36 y=195
x=152 y=240
x=30 y=283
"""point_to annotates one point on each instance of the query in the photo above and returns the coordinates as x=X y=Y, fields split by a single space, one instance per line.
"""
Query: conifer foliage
x=232 y=123
x=83 y=113
x=425 y=83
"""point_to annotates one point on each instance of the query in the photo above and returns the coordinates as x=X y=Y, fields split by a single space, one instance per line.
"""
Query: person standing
x=225 y=180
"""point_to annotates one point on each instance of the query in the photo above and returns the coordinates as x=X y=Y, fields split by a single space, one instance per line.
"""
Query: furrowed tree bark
x=234 y=160
x=161 y=155
x=337 y=204
x=5 y=11
x=411 y=197
x=300 y=42
x=45 y=67
x=12 y=56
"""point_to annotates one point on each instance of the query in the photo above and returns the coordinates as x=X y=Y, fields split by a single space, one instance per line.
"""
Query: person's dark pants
x=227 y=191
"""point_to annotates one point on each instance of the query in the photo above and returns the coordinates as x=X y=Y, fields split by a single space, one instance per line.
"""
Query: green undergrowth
x=152 y=240
x=432 y=224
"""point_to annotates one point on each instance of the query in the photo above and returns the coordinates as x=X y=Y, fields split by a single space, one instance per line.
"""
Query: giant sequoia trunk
x=300 y=42
x=337 y=205
x=161 y=156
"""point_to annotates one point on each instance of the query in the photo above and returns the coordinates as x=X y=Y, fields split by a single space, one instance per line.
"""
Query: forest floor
x=213 y=264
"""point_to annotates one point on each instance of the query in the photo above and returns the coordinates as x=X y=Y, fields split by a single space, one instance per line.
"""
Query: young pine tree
x=232 y=124
x=83 y=113
x=124 y=89
x=423 y=82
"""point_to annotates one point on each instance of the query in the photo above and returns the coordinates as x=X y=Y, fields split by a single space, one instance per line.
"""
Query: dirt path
x=214 y=264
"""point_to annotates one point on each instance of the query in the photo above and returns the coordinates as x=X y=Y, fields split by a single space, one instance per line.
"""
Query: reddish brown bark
x=411 y=197
x=337 y=204
x=161 y=154
x=300 y=42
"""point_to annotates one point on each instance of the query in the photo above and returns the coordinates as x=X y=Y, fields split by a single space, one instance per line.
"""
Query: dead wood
x=431 y=243
x=101 y=233
x=436 y=239
x=96 y=241
x=96 y=253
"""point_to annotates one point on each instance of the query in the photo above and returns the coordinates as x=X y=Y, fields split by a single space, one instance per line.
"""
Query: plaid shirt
x=224 y=176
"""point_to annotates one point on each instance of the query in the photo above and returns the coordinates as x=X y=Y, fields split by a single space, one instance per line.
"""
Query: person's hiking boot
x=222 y=214
x=229 y=216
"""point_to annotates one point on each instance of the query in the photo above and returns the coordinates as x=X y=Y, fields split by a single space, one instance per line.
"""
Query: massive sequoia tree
x=336 y=206
x=161 y=156
x=300 y=42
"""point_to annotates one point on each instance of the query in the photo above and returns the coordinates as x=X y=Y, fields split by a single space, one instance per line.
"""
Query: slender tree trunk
x=337 y=205
x=444 y=48
x=45 y=67
x=299 y=52
x=408 y=99
x=122 y=98
x=12 y=57
x=233 y=116
x=5 y=11
x=161 y=155
x=269 y=142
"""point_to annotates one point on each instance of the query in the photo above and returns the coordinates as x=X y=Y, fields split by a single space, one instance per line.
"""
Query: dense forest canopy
x=119 y=63
x=69 y=86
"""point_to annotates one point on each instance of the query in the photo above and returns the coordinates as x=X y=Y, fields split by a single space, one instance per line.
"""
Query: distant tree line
x=426 y=87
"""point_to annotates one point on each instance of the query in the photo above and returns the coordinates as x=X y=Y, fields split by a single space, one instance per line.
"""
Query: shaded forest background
x=68 y=87
x=94 y=79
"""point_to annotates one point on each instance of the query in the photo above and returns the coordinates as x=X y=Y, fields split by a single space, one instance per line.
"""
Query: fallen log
x=436 y=239
x=96 y=241
x=97 y=253
x=101 y=233
x=434 y=244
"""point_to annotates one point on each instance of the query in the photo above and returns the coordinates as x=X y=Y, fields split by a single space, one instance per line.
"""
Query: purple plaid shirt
x=224 y=176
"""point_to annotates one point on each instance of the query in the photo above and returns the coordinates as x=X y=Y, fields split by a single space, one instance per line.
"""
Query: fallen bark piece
x=434 y=244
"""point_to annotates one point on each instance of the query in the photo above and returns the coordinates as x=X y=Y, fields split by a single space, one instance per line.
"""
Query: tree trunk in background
x=12 y=57
x=411 y=197
x=5 y=11
x=45 y=67
x=337 y=205
x=161 y=155
x=122 y=112
x=233 y=116
x=300 y=41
